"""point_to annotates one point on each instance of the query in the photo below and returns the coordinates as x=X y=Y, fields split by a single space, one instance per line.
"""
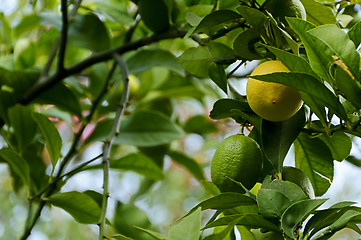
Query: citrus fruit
x=240 y=158
x=298 y=177
x=272 y=101
x=154 y=14
x=286 y=8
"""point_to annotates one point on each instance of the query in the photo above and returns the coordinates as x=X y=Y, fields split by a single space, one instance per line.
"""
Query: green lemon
x=298 y=177
x=272 y=101
x=240 y=158
x=285 y=8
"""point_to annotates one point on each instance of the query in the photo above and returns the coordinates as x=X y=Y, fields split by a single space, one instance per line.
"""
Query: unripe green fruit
x=286 y=8
x=240 y=158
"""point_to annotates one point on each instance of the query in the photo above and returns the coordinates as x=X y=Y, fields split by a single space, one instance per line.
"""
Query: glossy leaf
x=24 y=126
x=190 y=225
x=218 y=76
x=225 y=108
x=17 y=164
x=253 y=16
x=244 y=44
x=339 y=144
x=310 y=85
x=314 y=158
x=144 y=60
x=348 y=87
x=79 y=205
x=215 y=20
x=318 y=13
x=277 y=137
x=148 y=128
x=355 y=34
x=248 y=220
x=51 y=135
x=189 y=163
x=340 y=45
x=318 y=62
x=297 y=213
x=272 y=203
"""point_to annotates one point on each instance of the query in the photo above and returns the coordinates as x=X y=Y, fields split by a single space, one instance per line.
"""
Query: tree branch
x=96 y=58
x=108 y=144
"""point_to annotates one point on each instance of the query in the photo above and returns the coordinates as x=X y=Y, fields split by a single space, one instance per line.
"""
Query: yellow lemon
x=272 y=101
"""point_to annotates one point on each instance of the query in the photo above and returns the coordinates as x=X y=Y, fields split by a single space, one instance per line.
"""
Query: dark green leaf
x=248 y=220
x=216 y=20
x=310 y=85
x=355 y=34
x=272 y=203
x=79 y=205
x=146 y=59
x=218 y=76
x=190 y=225
x=253 y=16
x=225 y=108
x=353 y=160
x=23 y=125
x=155 y=14
x=244 y=44
x=340 y=45
x=348 y=87
x=318 y=62
x=17 y=164
x=297 y=213
x=277 y=137
x=314 y=158
x=188 y=163
x=318 y=13
x=51 y=135
x=87 y=31
x=148 y=128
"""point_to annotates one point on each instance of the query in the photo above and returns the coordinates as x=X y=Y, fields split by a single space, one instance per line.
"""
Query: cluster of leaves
x=75 y=68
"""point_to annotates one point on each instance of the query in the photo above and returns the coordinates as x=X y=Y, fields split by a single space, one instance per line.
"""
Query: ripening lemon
x=240 y=158
x=272 y=101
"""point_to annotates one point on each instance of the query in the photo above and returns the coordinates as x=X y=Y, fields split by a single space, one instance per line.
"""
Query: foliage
x=123 y=74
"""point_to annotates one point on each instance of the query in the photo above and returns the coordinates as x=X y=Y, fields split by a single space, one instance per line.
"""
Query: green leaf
x=120 y=237
x=341 y=45
x=218 y=76
x=355 y=34
x=318 y=62
x=62 y=97
x=252 y=220
x=188 y=228
x=79 y=205
x=291 y=190
x=148 y=128
x=200 y=124
x=223 y=233
x=277 y=137
x=189 y=163
x=318 y=13
x=225 y=108
x=23 y=125
x=17 y=164
x=210 y=188
x=144 y=60
x=310 y=85
x=215 y=21
x=138 y=163
x=87 y=31
x=115 y=12
x=254 y=17
x=153 y=234
x=51 y=135
x=272 y=203
x=244 y=44
x=348 y=87
x=155 y=14
x=224 y=201
x=339 y=144
x=314 y=158
x=245 y=233
x=297 y=213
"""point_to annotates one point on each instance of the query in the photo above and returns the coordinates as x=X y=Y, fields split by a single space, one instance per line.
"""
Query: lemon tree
x=130 y=114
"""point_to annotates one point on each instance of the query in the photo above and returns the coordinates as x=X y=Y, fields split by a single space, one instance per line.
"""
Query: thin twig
x=63 y=35
x=108 y=144
x=235 y=69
